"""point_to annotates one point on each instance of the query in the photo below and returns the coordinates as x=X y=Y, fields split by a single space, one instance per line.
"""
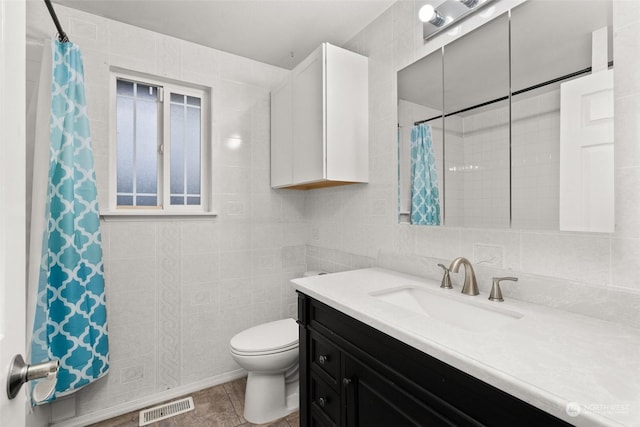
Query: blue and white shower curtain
x=70 y=322
x=425 y=198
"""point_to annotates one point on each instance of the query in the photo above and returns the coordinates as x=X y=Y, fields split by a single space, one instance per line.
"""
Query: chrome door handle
x=20 y=373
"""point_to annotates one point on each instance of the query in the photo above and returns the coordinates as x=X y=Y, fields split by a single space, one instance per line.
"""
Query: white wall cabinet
x=320 y=122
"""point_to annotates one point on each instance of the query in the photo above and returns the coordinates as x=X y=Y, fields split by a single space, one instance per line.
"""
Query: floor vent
x=165 y=411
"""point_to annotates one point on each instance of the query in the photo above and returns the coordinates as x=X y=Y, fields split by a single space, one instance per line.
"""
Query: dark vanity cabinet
x=354 y=375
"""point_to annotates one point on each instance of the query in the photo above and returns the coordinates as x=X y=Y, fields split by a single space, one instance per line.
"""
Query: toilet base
x=268 y=397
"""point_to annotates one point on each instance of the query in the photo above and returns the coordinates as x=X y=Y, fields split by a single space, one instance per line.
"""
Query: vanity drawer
x=325 y=356
x=325 y=402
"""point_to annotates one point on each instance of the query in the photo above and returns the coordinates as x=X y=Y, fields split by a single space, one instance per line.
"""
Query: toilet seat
x=264 y=353
x=268 y=338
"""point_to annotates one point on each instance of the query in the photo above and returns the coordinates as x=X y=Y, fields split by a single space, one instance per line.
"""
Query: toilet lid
x=270 y=336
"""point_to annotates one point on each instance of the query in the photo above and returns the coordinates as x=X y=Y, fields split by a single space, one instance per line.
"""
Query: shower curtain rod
x=62 y=36
x=518 y=92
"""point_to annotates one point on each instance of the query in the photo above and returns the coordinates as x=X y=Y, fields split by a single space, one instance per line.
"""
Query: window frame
x=166 y=87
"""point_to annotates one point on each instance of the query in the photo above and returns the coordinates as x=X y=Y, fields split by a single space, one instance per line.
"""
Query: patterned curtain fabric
x=425 y=199
x=70 y=317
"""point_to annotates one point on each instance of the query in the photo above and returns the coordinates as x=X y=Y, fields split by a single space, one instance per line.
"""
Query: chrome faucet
x=470 y=286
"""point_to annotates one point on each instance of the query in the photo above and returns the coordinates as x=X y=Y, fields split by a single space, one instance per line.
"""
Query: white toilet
x=269 y=352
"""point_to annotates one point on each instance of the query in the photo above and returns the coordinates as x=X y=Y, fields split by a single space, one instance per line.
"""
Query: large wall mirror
x=511 y=125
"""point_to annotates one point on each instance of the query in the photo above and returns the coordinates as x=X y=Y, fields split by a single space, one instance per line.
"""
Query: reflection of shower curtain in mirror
x=425 y=201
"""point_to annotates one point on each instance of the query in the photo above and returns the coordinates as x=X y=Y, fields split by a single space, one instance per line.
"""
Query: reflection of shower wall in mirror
x=535 y=149
x=534 y=163
x=486 y=167
x=454 y=202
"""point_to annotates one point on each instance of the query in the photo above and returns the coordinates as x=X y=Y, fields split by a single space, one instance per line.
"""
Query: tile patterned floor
x=219 y=406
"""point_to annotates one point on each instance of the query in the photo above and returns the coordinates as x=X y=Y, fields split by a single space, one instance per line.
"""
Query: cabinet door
x=282 y=135
x=373 y=400
x=308 y=119
x=347 y=115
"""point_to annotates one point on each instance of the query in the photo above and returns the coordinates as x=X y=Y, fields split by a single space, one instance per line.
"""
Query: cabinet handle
x=346 y=382
x=323 y=359
x=322 y=402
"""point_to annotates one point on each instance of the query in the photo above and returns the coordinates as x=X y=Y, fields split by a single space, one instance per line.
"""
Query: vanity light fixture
x=448 y=13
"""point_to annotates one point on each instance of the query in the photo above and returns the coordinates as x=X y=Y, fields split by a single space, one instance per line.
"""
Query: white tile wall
x=587 y=273
x=177 y=291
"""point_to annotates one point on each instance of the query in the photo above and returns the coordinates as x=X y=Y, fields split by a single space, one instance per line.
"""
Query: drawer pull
x=322 y=402
x=346 y=382
x=323 y=359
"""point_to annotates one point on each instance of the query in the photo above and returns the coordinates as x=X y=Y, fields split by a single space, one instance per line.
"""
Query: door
x=12 y=201
x=586 y=154
x=375 y=401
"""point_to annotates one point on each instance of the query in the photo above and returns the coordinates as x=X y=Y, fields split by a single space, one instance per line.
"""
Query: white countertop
x=548 y=358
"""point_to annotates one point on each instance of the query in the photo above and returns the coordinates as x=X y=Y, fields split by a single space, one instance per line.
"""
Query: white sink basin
x=469 y=315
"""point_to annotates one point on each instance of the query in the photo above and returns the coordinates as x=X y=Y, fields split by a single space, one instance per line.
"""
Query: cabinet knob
x=346 y=382
x=322 y=402
x=323 y=359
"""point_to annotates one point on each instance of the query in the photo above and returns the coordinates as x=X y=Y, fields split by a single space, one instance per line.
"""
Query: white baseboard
x=156 y=398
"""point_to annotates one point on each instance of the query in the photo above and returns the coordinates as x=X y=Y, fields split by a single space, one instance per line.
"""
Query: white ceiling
x=277 y=32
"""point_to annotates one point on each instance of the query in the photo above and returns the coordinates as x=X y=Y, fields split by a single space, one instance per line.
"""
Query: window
x=160 y=150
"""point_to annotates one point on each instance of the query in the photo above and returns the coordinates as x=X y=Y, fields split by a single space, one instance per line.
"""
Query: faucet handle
x=446 y=279
x=496 y=292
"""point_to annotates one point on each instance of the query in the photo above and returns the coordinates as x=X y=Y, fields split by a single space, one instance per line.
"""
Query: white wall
x=584 y=272
x=178 y=290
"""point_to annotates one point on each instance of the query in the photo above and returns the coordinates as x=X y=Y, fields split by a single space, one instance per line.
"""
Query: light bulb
x=426 y=13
